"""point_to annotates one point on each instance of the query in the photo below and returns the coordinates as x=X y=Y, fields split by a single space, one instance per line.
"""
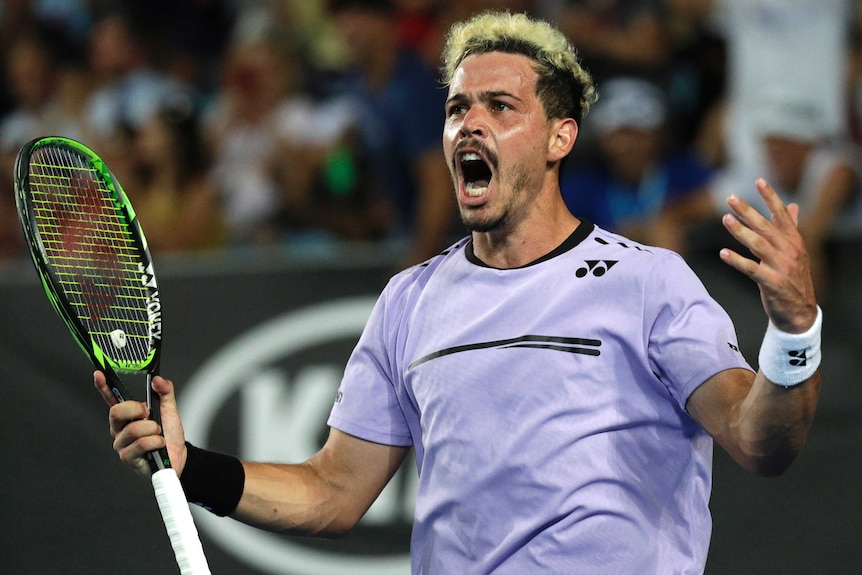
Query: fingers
x=101 y=383
x=137 y=439
x=754 y=238
x=780 y=214
x=766 y=238
x=793 y=210
x=135 y=435
x=780 y=265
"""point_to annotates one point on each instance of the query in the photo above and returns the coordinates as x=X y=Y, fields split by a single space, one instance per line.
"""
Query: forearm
x=763 y=419
x=293 y=499
x=771 y=424
x=324 y=496
x=774 y=416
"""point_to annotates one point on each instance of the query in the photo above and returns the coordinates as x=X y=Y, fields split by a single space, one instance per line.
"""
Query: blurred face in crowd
x=112 y=47
x=256 y=76
x=630 y=152
x=496 y=139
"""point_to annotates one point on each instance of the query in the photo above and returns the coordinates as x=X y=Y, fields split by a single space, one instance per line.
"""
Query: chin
x=479 y=224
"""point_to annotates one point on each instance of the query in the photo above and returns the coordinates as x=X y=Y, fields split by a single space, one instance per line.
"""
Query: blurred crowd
x=314 y=122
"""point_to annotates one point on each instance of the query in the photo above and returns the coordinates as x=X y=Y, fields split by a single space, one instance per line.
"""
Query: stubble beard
x=500 y=219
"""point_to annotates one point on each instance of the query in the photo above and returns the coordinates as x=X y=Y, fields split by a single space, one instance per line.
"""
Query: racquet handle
x=179 y=523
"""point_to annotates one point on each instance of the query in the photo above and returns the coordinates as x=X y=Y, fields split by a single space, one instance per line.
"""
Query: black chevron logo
x=597 y=267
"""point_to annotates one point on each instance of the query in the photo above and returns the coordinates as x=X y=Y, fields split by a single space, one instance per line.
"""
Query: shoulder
x=650 y=270
x=415 y=278
x=610 y=243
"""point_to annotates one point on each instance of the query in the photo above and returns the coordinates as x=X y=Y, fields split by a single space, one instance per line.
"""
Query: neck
x=542 y=233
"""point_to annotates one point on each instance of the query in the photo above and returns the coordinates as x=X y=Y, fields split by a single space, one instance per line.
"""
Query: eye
x=498 y=106
x=456 y=109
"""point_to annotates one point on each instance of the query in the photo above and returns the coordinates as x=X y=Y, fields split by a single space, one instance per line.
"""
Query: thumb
x=172 y=427
x=165 y=389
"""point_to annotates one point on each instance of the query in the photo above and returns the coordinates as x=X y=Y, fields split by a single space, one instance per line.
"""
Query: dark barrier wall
x=256 y=349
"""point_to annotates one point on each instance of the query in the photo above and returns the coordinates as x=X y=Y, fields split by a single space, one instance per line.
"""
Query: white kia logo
x=282 y=416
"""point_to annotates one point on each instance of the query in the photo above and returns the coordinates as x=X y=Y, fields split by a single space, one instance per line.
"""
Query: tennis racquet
x=93 y=261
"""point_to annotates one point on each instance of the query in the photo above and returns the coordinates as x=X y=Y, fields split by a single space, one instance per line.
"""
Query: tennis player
x=561 y=386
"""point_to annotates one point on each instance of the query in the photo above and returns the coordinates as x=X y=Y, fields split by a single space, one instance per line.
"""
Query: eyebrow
x=484 y=96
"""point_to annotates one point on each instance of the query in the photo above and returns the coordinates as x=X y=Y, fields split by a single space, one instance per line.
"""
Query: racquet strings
x=87 y=239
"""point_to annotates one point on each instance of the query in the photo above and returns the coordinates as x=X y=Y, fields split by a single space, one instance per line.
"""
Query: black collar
x=576 y=237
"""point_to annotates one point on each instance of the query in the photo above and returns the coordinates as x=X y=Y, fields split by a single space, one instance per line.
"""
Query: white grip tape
x=179 y=523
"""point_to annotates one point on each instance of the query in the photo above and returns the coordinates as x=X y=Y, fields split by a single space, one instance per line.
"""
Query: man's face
x=631 y=152
x=495 y=139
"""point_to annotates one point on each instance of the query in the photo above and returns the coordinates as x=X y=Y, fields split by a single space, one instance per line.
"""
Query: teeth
x=471 y=156
x=473 y=190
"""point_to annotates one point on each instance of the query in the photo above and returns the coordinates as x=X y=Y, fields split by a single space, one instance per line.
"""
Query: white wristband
x=788 y=359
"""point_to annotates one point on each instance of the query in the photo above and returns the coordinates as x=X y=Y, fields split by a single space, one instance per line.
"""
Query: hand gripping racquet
x=93 y=261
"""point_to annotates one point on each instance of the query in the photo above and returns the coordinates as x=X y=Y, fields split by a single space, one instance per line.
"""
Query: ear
x=562 y=140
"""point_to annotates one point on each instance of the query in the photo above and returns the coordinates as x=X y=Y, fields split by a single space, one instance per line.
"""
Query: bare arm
x=761 y=424
x=326 y=495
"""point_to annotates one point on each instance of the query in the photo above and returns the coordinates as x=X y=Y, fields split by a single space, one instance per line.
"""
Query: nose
x=473 y=123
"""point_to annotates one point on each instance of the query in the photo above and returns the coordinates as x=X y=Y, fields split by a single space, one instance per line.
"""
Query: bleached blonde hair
x=565 y=88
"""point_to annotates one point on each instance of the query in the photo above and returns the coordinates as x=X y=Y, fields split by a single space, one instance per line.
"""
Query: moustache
x=479 y=147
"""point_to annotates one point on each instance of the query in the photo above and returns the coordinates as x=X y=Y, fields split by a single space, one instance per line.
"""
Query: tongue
x=478 y=184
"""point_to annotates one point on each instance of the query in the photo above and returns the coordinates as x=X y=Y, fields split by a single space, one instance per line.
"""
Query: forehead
x=494 y=72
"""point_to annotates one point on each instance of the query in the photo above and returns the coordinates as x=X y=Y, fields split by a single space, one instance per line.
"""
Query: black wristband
x=211 y=480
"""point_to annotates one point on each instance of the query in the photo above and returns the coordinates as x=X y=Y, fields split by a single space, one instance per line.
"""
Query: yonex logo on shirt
x=597 y=267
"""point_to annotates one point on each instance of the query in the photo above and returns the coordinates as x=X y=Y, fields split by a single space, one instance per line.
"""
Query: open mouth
x=475 y=172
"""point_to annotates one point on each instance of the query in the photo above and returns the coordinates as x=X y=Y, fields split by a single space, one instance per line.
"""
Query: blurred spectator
x=416 y=23
x=326 y=189
x=242 y=133
x=70 y=19
x=32 y=77
x=854 y=88
x=186 y=39
x=807 y=166
x=616 y=38
x=800 y=47
x=286 y=161
x=47 y=100
x=422 y=24
x=129 y=90
x=640 y=187
x=169 y=185
x=49 y=97
x=619 y=37
x=401 y=111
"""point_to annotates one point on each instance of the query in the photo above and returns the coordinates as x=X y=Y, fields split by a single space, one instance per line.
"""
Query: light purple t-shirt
x=546 y=407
